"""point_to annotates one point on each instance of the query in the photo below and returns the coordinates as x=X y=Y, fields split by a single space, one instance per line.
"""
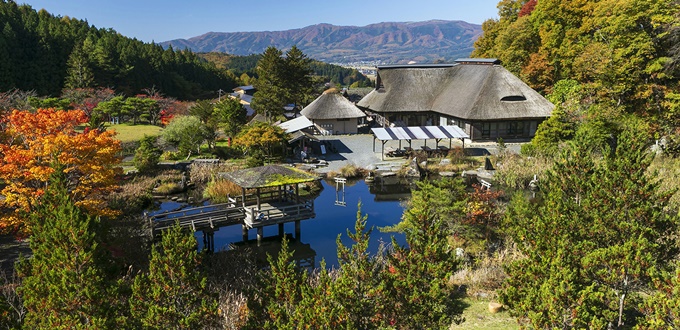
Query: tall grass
x=667 y=171
x=218 y=190
x=517 y=171
x=349 y=171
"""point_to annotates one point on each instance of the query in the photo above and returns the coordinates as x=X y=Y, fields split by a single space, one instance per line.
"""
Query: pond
x=381 y=201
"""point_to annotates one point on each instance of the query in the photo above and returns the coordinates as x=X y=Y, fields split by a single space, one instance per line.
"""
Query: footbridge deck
x=262 y=210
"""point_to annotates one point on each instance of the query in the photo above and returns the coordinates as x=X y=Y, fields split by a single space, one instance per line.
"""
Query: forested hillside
x=46 y=53
x=386 y=42
x=621 y=55
x=239 y=65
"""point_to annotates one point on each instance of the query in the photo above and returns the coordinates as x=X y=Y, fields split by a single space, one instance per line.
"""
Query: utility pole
x=219 y=95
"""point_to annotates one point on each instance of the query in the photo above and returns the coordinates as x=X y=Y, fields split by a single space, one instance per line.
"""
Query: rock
x=414 y=169
x=447 y=174
x=445 y=162
x=495 y=307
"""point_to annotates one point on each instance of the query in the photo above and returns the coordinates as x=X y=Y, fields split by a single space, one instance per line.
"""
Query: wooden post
x=297 y=229
x=243 y=197
x=281 y=230
x=260 y=234
x=244 y=232
x=257 y=195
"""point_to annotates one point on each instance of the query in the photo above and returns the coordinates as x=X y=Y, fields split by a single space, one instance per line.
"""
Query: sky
x=163 y=20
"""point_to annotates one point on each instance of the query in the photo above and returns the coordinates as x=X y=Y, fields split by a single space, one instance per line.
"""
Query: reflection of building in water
x=391 y=188
x=303 y=254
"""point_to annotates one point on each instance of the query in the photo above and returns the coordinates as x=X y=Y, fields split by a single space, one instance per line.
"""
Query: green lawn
x=130 y=133
x=477 y=316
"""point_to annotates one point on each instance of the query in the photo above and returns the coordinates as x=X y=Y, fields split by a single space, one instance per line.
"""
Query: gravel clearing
x=358 y=149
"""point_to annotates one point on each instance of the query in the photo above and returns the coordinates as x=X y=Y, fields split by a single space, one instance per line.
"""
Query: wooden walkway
x=277 y=207
x=209 y=217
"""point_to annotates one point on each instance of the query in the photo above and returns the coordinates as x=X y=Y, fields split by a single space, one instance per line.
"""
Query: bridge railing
x=265 y=215
x=268 y=196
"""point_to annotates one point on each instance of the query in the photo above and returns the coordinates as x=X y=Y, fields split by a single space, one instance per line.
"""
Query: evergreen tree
x=64 y=282
x=231 y=116
x=594 y=240
x=417 y=275
x=147 y=155
x=298 y=74
x=274 y=303
x=174 y=293
x=359 y=289
x=79 y=74
x=271 y=95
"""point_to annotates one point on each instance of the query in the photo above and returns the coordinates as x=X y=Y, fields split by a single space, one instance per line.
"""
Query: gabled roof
x=296 y=124
x=331 y=105
x=268 y=176
x=244 y=88
x=474 y=89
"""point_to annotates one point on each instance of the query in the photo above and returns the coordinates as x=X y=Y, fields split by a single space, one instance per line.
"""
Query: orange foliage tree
x=37 y=144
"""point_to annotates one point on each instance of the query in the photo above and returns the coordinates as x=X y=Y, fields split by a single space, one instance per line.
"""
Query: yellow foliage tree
x=37 y=144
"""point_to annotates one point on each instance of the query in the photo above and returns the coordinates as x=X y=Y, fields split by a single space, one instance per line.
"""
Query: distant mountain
x=422 y=42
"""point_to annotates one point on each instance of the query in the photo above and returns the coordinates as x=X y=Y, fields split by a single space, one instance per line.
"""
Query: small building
x=245 y=96
x=332 y=113
x=478 y=95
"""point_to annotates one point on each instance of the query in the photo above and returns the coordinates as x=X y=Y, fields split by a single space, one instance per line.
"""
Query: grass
x=477 y=316
x=131 y=133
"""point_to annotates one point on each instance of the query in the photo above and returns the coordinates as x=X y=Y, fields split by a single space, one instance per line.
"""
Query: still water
x=382 y=203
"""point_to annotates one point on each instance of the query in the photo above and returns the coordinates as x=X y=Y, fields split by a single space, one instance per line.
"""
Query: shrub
x=168 y=188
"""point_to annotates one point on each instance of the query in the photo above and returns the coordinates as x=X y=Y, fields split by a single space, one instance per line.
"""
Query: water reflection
x=319 y=234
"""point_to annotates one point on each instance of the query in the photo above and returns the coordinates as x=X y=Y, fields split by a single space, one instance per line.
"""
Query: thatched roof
x=267 y=176
x=470 y=89
x=331 y=105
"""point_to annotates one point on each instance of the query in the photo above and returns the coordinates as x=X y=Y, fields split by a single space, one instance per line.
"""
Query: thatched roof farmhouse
x=332 y=113
x=478 y=95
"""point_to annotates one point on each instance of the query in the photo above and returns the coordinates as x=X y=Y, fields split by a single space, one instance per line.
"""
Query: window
x=486 y=130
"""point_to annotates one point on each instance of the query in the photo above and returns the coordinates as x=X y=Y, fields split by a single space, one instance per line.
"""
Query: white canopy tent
x=437 y=133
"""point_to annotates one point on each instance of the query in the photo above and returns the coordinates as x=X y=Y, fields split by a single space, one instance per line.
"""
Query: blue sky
x=161 y=20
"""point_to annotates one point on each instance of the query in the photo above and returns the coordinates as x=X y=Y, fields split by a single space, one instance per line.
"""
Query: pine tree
x=592 y=243
x=417 y=275
x=359 y=289
x=79 y=74
x=274 y=303
x=298 y=74
x=174 y=293
x=64 y=282
x=271 y=95
x=147 y=155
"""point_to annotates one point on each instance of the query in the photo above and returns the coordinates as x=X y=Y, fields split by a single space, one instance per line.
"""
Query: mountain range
x=384 y=43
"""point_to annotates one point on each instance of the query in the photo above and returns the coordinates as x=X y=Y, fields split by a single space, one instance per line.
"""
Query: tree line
x=244 y=68
x=45 y=53
x=601 y=59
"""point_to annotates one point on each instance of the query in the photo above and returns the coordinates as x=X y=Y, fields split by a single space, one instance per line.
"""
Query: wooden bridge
x=271 y=204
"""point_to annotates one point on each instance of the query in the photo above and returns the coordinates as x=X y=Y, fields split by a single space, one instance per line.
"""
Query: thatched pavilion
x=276 y=199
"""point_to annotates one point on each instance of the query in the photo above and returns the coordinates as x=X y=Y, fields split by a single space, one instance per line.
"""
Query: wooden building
x=478 y=95
x=332 y=113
